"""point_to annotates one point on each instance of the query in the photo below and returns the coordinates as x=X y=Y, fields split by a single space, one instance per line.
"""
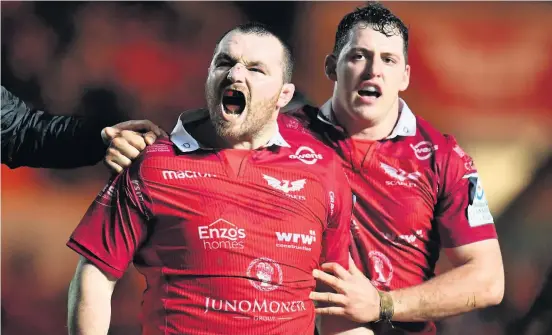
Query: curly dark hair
x=377 y=17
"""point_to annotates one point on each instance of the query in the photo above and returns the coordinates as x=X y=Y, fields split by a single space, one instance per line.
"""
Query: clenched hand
x=126 y=140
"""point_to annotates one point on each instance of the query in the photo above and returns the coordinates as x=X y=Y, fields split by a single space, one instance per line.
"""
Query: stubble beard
x=258 y=116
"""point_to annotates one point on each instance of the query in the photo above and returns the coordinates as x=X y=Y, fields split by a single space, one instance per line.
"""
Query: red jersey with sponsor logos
x=415 y=192
x=224 y=250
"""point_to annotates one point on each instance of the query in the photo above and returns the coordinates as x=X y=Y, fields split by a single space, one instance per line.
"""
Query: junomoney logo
x=185 y=175
x=269 y=309
x=306 y=155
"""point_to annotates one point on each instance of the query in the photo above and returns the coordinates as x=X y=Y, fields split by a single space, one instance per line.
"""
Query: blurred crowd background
x=480 y=70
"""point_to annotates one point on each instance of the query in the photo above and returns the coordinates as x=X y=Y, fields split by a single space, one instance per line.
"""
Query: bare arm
x=477 y=281
x=89 y=306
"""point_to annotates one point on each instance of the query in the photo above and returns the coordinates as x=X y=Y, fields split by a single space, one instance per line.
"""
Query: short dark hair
x=259 y=29
x=377 y=17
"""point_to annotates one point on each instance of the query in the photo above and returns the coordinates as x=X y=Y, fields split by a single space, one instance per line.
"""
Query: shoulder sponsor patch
x=424 y=150
x=478 y=211
x=158 y=147
x=306 y=155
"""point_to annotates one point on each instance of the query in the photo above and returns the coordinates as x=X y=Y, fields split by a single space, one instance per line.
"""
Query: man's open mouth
x=370 y=91
x=233 y=101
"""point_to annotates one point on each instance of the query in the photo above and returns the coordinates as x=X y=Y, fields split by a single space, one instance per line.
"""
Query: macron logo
x=185 y=175
x=294 y=238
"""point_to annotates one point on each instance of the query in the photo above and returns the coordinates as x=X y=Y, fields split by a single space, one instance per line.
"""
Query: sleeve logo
x=478 y=211
x=424 y=149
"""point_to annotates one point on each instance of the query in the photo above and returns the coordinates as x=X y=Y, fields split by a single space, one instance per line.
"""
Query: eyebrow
x=364 y=50
x=225 y=56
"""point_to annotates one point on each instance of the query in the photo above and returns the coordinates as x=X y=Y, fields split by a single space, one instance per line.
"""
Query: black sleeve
x=35 y=138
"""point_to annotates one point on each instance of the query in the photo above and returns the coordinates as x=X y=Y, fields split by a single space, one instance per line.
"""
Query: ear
x=405 y=79
x=286 y=94
x=330 y=66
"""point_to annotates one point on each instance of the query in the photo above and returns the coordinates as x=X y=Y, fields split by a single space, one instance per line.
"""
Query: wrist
x=387 y=308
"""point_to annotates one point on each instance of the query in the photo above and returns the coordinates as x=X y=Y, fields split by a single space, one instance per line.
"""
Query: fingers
x=115 y=159
x=334 y=310
x=328 y=297
x=111 y=132
x=113 y=166
x=132 y=138
x=353 y=269
x=150 y=137
x=337 y=269
x=160 y=132
x=153 y=128
x=141 y=126
x=129 y=144
x=125 y=146
x=108 y=134
x=328 y=279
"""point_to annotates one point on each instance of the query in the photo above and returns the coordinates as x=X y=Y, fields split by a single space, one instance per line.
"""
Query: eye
x=357 y=57
x=223 y=64
x=255 y=69
x=389 y=60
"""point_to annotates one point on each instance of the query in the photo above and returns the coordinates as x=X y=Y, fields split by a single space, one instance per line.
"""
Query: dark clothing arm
x=35 y=138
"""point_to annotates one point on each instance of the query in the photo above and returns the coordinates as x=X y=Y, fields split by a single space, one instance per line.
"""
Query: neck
x=206 y=134
x=368 y=129
x=258 y=140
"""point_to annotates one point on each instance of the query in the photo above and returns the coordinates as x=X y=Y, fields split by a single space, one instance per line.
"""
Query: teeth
x=370 y=89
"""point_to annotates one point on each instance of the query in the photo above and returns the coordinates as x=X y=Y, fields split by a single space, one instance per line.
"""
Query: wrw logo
x=295 y=240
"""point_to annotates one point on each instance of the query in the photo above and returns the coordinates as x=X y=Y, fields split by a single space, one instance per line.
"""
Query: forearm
x=35 y=138
x=58 y=142
x=89 y=305
x=457 y=291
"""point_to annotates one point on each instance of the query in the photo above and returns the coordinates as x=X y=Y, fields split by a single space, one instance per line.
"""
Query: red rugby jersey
x=223 y=252
x=416 y=191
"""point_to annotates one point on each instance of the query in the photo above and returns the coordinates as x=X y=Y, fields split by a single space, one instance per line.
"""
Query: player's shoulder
x=305 y=115
x=162 y=147
x=161 y=150
x=429 y=140
x=450 y=158
x=426 y=131
x=298 y=127
x=302 y=123
x=300 y=120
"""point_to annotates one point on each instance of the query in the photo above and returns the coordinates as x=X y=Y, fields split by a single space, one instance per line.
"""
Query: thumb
x=150 y=137
x=108 y=134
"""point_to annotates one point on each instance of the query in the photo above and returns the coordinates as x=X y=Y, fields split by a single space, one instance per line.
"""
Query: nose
x=236 y=73
x=374 y=68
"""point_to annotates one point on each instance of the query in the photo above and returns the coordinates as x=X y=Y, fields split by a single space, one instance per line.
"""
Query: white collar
x=186 y=143
x=406 y=126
